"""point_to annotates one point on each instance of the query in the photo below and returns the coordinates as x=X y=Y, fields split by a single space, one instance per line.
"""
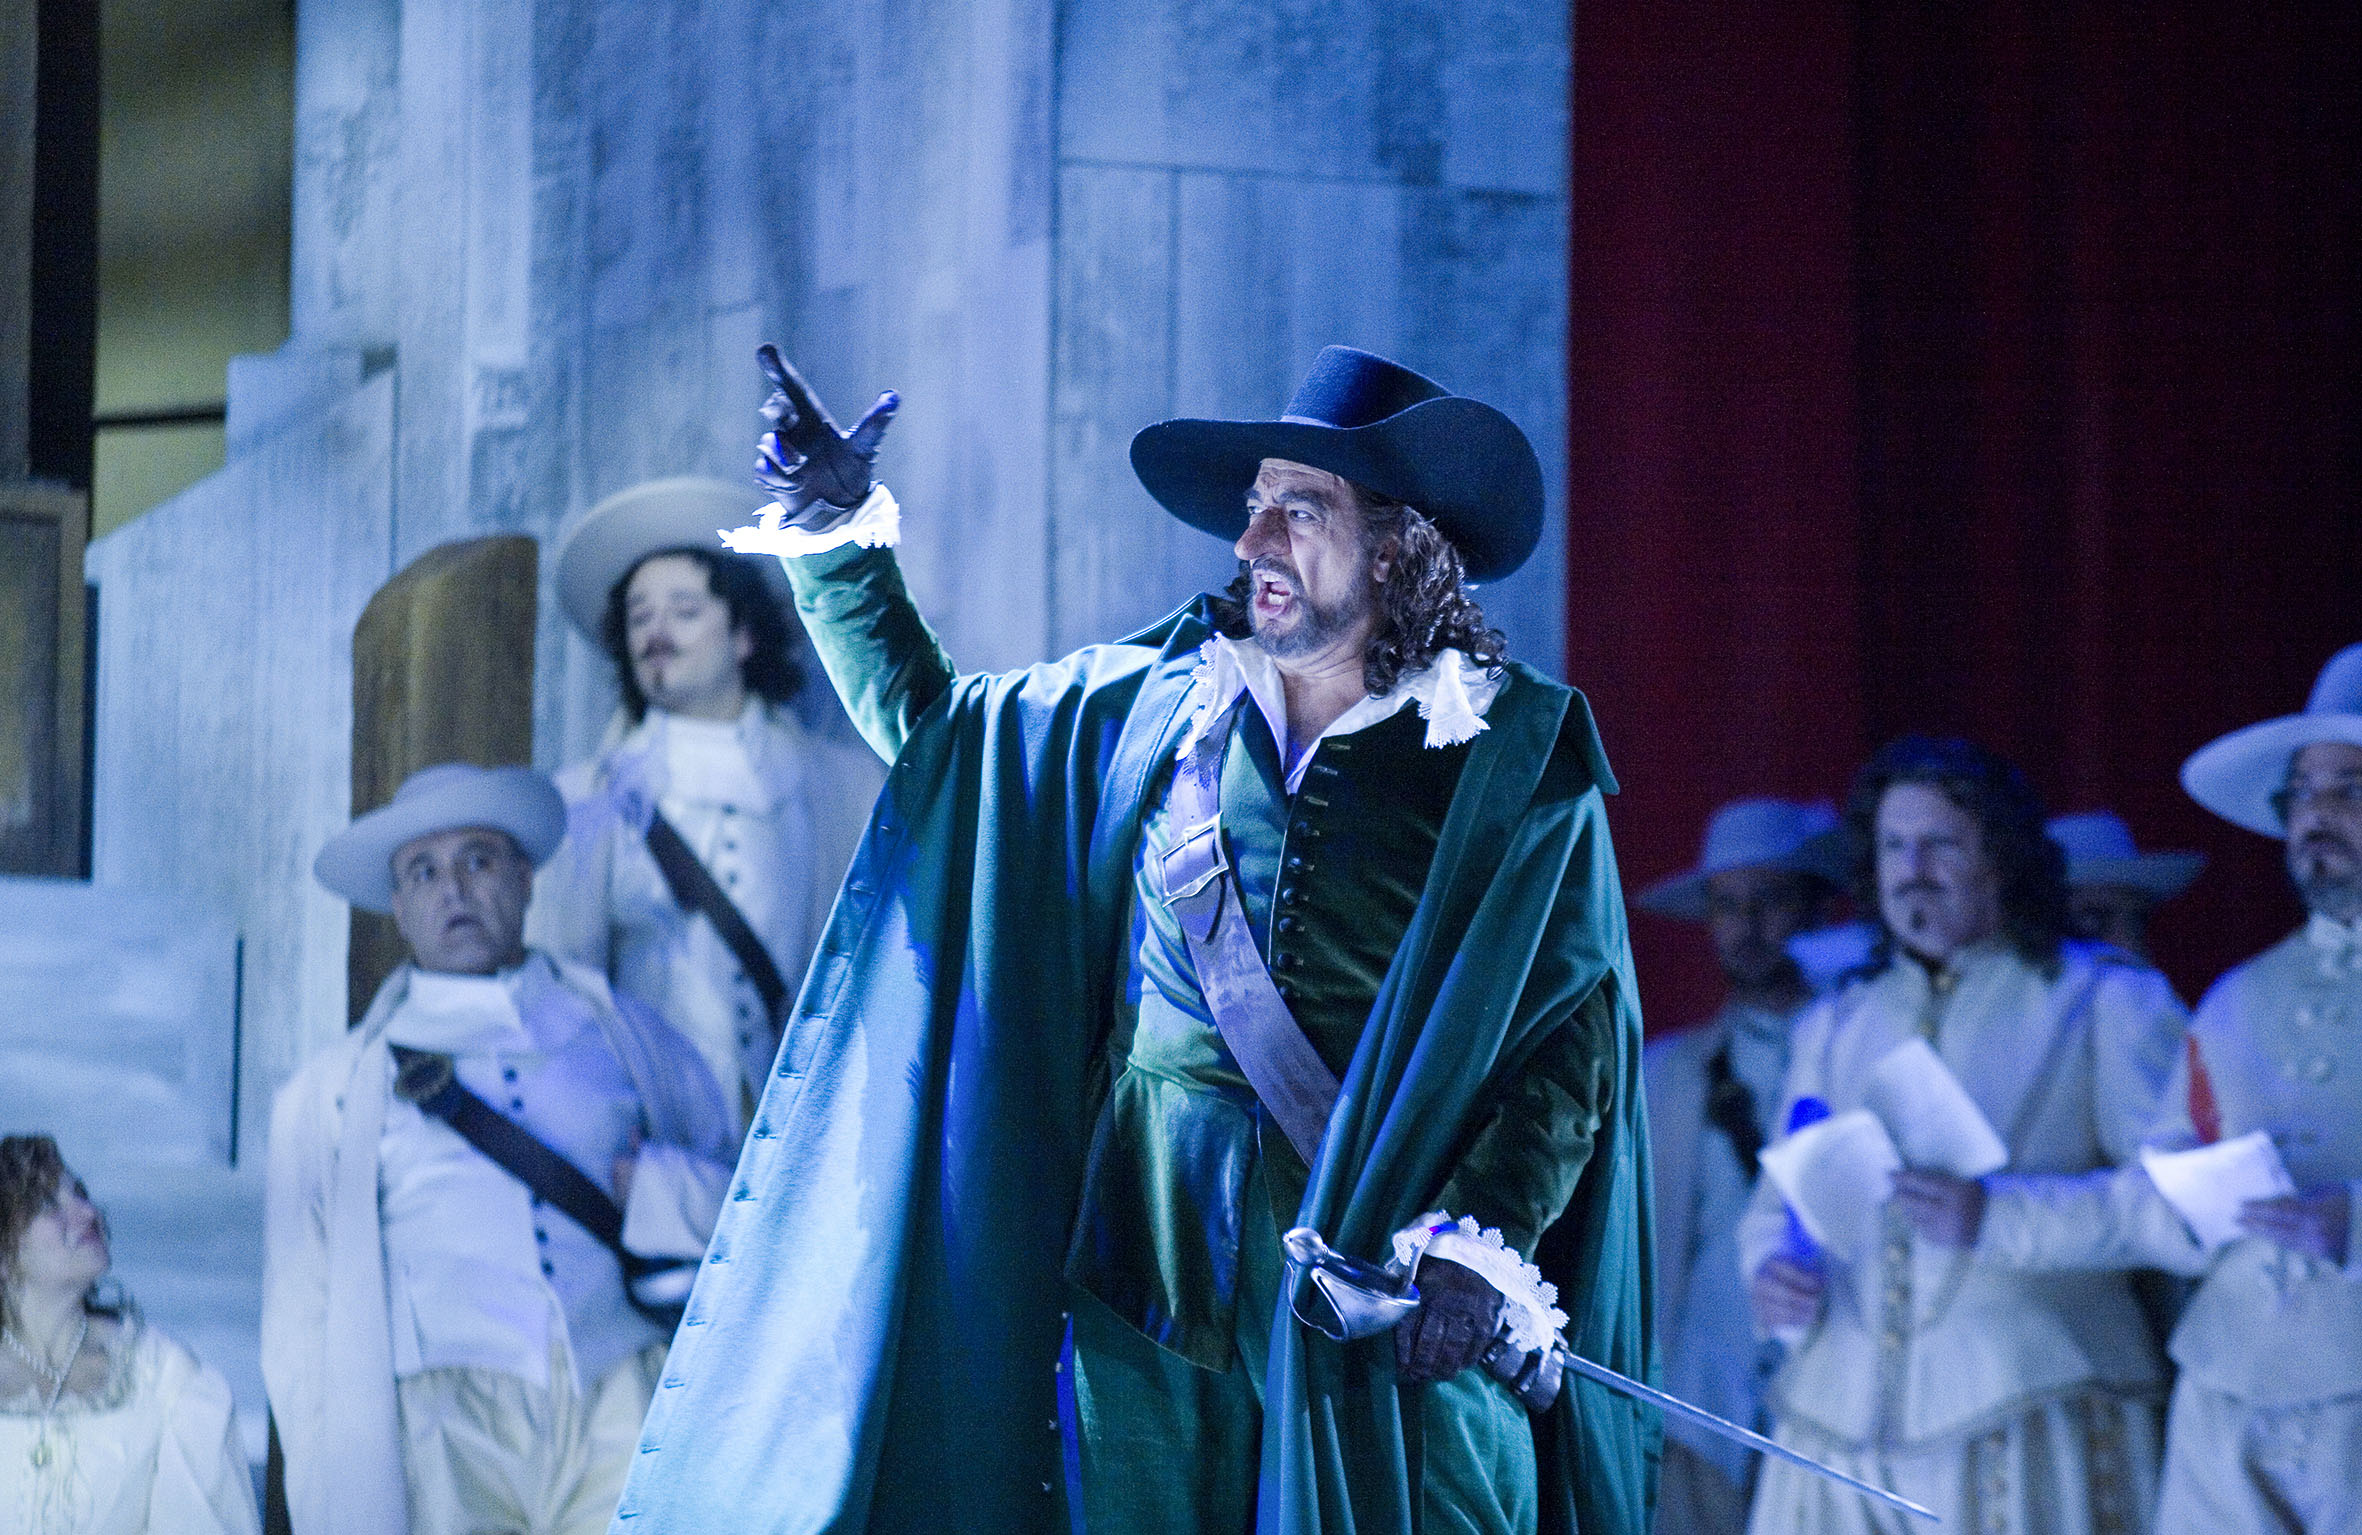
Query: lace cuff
x=875 y=524
x=1529 y=1302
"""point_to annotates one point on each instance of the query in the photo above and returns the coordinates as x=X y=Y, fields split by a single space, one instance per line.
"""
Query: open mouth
x=1272 y=593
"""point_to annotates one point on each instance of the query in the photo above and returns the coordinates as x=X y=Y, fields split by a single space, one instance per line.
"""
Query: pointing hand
x=819 y=475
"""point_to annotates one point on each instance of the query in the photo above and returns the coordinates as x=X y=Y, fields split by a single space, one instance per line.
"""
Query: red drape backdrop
x=1987 y=369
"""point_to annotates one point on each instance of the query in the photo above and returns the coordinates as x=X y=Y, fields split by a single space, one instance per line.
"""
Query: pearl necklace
x=54 y=1376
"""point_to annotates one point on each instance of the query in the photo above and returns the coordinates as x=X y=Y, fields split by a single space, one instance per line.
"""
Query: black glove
x=819 y=475
x=1458 y=1313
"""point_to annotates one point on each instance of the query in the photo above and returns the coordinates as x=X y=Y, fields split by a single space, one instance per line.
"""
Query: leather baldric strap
x=426 y=1078
x=695 y=889
x=1730 y=1108
x=1287 y=1074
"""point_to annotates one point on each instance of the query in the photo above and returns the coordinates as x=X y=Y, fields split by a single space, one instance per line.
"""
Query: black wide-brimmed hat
x=1461 y=463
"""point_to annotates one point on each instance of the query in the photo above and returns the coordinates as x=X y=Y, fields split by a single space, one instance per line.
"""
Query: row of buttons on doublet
x=1296 y=866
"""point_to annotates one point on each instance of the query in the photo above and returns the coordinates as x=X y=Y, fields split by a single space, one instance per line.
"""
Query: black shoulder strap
x=1730 y=1108
x=694 y=888
x=426 y=1079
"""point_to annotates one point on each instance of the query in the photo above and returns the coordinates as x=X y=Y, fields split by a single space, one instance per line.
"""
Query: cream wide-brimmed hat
x=1753 y=834
x=627 y=527
x=2235 y=776
x=2100 y=851
x=358 y=862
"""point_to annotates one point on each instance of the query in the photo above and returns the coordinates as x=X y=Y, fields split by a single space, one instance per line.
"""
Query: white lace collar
x=1452 y=692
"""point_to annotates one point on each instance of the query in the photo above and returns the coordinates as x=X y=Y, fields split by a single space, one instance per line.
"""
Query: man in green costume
x=1003 y=1251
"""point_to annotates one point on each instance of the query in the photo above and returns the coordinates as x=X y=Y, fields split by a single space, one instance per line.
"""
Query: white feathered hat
x=358 y=862
x=2235 y=776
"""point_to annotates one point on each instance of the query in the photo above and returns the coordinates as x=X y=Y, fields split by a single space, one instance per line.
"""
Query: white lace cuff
x=875 y=524
x=1529 y=1302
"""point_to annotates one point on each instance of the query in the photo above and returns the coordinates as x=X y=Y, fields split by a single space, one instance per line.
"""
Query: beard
x=1311 y=628
x=2328 y=874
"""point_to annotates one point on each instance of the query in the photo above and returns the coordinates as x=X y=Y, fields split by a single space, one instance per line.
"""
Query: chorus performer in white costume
x=707 y=738
x=1769 y=870
x=448 y=1347
x=107 y=1427
x=1954 y=1357
x=2265 y=1436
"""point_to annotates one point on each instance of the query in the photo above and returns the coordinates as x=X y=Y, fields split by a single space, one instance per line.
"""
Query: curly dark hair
x=770 y=671
x=1997 y=796
x=31 y=1171
x=1424 y=606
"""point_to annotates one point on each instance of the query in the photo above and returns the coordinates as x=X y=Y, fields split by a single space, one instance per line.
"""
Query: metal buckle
x=1196 y=861
x=421 y=1075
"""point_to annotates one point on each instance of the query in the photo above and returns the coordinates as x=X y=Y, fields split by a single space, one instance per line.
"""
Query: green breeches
x=1163 y=1447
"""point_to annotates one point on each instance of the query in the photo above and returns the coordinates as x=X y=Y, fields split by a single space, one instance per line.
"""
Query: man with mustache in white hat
x=707 y=838
x=2113 y=886
x=2266 y=1428
x=1770 y=870
x=1950 y=1339
x=481 y=1200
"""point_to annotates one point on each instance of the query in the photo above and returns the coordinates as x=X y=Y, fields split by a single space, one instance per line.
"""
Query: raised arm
x=883 y=660
x=879 y=654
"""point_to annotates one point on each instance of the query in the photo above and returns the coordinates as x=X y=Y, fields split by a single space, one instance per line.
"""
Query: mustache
x=658 y=650
x=1917 y=887
x=2323 y=839
x=1278 y=570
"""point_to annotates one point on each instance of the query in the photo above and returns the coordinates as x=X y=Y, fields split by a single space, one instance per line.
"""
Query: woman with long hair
x=107 y=1427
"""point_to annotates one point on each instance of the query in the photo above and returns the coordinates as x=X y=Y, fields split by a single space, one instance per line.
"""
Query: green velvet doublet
x=1329 y=879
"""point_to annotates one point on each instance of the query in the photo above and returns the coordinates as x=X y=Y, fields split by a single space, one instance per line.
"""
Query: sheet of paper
x=1936 y=1126
x=1835 y=1175
x=2206 y=1186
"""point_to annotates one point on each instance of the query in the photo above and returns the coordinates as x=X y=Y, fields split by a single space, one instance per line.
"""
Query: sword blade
x=1729 y=1430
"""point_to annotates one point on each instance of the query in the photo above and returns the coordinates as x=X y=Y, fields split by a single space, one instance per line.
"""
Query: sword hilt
x=1536 y=1377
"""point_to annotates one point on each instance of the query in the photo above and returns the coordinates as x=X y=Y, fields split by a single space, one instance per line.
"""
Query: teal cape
x=872 y=1342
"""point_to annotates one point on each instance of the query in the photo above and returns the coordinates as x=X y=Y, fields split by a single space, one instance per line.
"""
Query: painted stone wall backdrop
x=223 y=740
x=571 y=221
x=570 y=225
x=1241 y=185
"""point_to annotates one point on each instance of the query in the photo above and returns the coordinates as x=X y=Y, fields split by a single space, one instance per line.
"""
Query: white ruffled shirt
x=1452 y=694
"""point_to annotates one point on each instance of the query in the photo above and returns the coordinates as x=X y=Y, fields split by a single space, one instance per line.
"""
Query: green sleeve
x=884 y=661
x=1521 y=1168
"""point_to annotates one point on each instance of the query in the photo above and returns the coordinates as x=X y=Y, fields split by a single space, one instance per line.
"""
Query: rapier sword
x=1364 y=1299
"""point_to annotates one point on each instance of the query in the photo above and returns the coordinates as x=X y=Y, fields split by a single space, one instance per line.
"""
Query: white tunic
x=480 y=1272
x=2281 y=1037
x=1706 y=1333
x=2009 y=1386
x=1921 y=1343
x=153 y=1452
x=772 y=811
x=2266 y=1432
x=346 y=1303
